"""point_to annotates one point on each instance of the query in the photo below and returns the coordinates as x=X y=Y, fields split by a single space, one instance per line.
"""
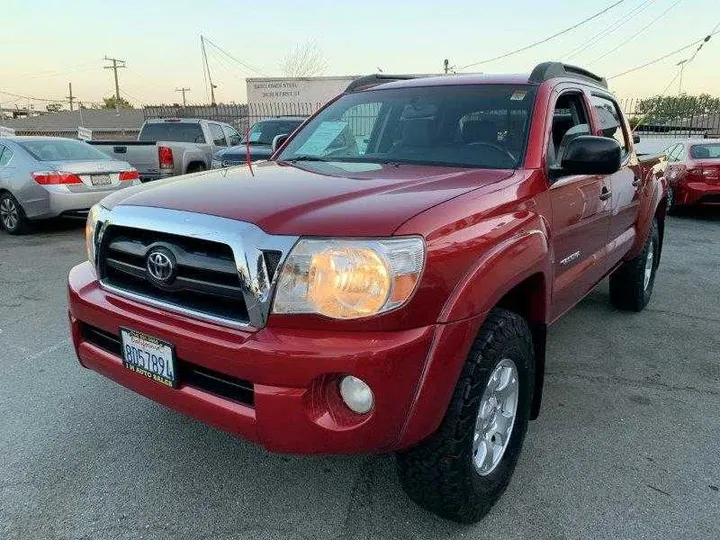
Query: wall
x=313 y=90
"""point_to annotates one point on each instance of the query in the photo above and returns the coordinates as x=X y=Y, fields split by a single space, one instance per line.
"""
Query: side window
x=680 y=154
x=360 y=121
x=670 y=151
x=5 y=155
x=569 y=121
x=609 y=117
x=233 y=136
x=217 y=134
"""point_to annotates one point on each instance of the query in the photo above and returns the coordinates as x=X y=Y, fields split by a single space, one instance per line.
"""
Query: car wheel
x=12 y=216
x=631 y=285
x=463 y=469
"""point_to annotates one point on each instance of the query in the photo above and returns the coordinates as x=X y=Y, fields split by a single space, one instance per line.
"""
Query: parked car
x=259 y=141
x=694 y=172
x=386 y=282
x=45 y=177
x=172 y=146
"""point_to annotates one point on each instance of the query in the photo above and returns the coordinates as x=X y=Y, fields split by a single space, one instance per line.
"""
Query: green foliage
x=661 y=109
x=54 y=107
x=110 y=102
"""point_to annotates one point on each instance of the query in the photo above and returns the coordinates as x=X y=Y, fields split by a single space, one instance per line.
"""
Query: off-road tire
x=439 y=474
x=22 y=224
x=627 y=284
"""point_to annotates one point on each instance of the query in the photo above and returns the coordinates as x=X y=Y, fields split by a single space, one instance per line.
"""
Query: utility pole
x=207 y=70
x=682 y=68
x=183 y=90
x=116 y=64
x=446 y=65
x=70 y=97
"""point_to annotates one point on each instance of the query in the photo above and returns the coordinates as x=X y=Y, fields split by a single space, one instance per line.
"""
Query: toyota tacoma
x=386 y=281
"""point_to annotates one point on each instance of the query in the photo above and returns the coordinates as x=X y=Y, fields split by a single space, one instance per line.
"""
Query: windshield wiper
x=305 y=158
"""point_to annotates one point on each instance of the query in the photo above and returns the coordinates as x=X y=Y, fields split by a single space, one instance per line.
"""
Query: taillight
x=54 y=178
x=165 y=157
x=129 y=175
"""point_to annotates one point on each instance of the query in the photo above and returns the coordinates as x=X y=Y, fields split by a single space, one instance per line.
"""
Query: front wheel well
x=529 y=300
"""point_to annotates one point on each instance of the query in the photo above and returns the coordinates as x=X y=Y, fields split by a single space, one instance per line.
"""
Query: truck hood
x=313 y=198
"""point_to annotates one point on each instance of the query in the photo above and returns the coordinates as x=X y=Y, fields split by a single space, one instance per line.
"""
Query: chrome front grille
x=219 y=269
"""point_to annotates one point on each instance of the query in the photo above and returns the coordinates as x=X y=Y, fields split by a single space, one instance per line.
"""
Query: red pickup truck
x=385 y=282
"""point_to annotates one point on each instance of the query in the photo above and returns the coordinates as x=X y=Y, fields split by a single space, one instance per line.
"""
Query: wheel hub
x=9 y=213
x=496 y=417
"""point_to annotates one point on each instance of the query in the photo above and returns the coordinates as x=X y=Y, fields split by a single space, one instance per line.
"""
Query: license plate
x=100 y=180
x=149 y=356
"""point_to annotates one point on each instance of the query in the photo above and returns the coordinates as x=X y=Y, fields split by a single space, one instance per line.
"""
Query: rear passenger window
x=217 y=134
x=5 y=155
x=609 y=117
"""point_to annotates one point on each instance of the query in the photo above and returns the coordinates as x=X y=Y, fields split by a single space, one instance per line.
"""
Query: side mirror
x=636 y=138
x=278 y=141
x=588 y=154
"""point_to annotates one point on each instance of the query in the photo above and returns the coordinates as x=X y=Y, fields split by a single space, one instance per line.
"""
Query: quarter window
x=233 y=136
x=609 y=119
x=5 y=155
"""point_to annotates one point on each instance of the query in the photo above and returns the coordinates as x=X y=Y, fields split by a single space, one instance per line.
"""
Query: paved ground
x=627 y=446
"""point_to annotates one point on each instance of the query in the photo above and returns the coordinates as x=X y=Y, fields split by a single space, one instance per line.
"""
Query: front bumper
x=294 y=374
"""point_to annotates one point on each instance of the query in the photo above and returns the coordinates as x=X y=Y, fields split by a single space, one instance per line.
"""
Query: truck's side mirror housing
x=588 y=154
x=278 y=141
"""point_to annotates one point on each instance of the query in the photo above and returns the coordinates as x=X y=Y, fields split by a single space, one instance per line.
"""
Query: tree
x=54 y=107
x=110 y=102
x=305 y=60
x=661 y=109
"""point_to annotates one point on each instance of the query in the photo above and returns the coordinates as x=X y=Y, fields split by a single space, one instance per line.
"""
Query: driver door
x=581 y=208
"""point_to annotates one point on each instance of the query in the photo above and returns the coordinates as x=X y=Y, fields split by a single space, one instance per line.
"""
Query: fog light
x=356 y=394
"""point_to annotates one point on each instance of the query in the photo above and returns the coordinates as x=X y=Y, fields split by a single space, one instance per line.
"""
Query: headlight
x=348 y=279
x=94 y=215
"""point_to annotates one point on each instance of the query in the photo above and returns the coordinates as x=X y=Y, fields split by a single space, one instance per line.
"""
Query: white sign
x=6 y=132
x=84 y=134
x=294 y=90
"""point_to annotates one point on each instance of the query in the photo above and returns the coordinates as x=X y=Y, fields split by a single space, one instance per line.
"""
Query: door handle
x=606 y=194
x=637 y=182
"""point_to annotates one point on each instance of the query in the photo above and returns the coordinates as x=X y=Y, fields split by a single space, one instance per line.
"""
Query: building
x=105 y=123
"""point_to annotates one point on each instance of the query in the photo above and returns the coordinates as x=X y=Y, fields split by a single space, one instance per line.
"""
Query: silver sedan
x=45 y=177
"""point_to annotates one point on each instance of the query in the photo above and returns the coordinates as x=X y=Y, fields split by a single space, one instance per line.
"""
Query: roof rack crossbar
x=549 y=70
x=369 y=81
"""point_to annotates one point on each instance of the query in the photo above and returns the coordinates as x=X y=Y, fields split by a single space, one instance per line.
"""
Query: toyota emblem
x=160 y=265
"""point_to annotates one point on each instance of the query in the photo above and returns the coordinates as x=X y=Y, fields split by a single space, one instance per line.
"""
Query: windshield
x=172 y=131
x=705 y=151
x=265 y=131
x=62 y=150
x=484 y=126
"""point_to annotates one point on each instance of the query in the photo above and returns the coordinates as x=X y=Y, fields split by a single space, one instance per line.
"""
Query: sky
x=48 y=43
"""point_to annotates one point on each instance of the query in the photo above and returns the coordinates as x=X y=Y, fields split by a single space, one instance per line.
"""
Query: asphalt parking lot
x=627 y=446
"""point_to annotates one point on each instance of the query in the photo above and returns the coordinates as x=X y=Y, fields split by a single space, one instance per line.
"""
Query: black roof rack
x=369 y=81
x=549 y=70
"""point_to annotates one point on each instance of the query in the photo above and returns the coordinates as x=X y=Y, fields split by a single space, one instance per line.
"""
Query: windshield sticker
x=322 y=138
x=518 y=95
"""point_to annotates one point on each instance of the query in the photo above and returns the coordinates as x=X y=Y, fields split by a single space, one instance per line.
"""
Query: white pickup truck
x=172 y=146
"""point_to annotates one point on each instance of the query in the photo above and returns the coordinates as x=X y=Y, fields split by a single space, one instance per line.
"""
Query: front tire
x=461 y=471
x=631 y=285
x=12 y=215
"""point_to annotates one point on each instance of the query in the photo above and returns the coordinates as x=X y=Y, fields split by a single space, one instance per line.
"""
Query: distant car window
x=677 y=153
x=217 y=135
x=705 y=151
x=5 y=155
x=61 y=150
x=188 y=132
x=265 y=131
x=609 y=117
x=233 y=136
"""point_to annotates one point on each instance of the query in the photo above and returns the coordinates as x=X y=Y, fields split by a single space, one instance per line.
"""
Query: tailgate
x=142 y=155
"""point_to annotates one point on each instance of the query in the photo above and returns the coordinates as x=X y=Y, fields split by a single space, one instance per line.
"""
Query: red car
x=694 y=173
x=386 y=281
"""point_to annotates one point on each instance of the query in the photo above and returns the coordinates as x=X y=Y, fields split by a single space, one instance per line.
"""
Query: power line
x=668 y=55
x=46 y=100
x=240 y=62
x=619 y=23
x=535 y=44
x=636 y=34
